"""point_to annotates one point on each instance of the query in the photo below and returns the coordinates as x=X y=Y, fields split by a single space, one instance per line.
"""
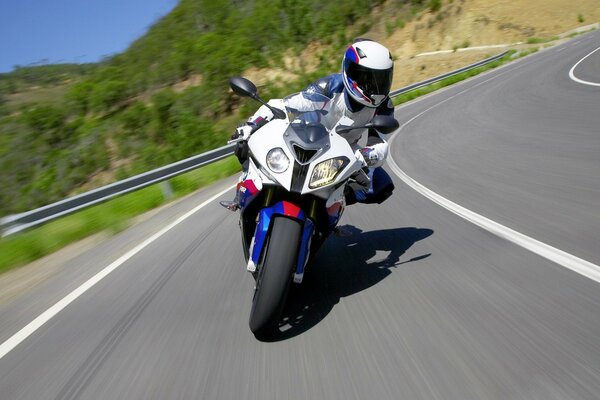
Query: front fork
x=263 y=224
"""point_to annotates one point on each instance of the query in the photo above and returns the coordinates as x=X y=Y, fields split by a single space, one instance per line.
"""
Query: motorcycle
x=292 y=194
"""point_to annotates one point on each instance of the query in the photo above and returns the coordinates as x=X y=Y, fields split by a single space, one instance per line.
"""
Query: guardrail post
x=167 y=189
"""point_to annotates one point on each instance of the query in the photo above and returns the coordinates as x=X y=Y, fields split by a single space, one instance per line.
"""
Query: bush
x=48 y=123
x=107 y=94
x=136 y=118
x=79 y=97
x=435 y=5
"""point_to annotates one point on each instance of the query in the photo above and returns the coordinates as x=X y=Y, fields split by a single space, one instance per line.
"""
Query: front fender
x=263 y=226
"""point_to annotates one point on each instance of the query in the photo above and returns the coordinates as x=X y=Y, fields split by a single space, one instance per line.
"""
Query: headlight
x=277 y=160
x=325 y=172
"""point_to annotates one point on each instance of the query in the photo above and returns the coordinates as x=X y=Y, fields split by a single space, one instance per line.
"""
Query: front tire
x=274 y=276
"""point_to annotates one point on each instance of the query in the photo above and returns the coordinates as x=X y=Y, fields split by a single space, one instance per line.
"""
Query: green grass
x=51 y=94
x=111 y=217
x=535 y=40
x=405 y=97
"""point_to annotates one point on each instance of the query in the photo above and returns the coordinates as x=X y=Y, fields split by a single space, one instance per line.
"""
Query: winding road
x=418 y=303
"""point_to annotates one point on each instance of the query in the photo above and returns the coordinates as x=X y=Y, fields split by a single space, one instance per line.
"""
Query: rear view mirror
x=245 y=88
x=384 y=124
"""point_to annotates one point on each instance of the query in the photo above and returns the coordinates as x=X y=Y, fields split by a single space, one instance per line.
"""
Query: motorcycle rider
x=358 y=93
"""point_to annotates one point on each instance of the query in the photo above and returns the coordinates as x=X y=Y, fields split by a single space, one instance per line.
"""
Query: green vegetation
x=535 y=40
x=434 y=5
x=392 y=25
x=580 y=18
x=114 y=216
x=22 y=78
x=528 y=51
x=106 y=121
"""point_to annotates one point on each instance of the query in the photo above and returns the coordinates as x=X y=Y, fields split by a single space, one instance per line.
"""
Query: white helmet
x=368 y=70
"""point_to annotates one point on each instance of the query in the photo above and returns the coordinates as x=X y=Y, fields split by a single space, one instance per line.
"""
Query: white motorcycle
x=291 y=196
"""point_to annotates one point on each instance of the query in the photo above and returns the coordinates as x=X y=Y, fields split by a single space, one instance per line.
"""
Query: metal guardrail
x=18 y=222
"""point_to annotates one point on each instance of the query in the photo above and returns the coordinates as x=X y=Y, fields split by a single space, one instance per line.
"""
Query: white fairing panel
x=256 y=176
x=264 y=140
x=273 y=135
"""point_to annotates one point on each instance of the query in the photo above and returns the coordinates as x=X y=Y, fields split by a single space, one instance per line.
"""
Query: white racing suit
x=347 y=112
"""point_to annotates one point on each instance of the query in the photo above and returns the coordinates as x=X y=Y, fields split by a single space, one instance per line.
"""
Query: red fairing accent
x=335 y=209
x=291 y=210
x=249 y=184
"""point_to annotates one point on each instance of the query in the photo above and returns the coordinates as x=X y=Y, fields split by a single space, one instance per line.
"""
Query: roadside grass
x=110 y=217
x=535 y=40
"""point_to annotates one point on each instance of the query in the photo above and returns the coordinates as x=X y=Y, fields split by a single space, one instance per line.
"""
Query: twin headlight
x=326 y=171
x=277 y=161
x=323 y=174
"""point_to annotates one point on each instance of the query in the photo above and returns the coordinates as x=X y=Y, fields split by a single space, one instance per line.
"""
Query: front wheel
x=274 y=276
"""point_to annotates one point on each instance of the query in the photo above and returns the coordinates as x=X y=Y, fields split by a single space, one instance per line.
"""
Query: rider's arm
x=257 y=120
x=377 y=147
x=263 y=114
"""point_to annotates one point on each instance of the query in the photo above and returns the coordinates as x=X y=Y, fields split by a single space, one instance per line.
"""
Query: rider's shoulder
x=328 y=86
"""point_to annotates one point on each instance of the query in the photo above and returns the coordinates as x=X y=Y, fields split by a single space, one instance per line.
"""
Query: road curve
x=417 y=303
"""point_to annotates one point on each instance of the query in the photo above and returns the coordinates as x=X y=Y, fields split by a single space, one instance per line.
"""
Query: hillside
x=70 y=128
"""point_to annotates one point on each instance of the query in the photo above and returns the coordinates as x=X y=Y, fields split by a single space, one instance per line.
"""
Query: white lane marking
x=34 y=325
x=572 y=71
x=560 y=257
x=583 y=267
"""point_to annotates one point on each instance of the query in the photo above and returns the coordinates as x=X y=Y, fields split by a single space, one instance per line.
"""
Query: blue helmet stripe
x=351 y=54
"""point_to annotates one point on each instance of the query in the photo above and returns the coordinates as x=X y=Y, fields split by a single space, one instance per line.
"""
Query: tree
x=107 y=94
x=48 y=122
x=79 y=96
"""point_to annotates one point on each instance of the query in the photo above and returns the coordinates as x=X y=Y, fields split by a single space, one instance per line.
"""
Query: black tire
x=274 y=276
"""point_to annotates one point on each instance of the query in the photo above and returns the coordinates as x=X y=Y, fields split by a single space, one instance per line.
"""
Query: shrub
x=435 y=5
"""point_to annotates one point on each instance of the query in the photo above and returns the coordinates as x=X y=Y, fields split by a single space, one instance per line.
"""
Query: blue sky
x=72 y=30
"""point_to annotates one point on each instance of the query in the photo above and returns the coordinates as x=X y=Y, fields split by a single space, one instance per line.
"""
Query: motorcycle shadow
x=345 y=266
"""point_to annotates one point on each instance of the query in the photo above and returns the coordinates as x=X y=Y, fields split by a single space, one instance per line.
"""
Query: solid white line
x=560 y=257
x=34 y=325
x=572 y=71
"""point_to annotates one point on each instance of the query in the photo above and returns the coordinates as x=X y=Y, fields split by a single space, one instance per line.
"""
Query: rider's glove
x=369 y=155
x=243 y=132
x=360 y=158
x=240 y=137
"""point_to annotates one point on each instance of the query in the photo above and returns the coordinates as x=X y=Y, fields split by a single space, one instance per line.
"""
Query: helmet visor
x=370 y=81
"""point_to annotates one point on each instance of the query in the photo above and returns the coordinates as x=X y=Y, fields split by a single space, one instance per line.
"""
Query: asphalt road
x=416 y=304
